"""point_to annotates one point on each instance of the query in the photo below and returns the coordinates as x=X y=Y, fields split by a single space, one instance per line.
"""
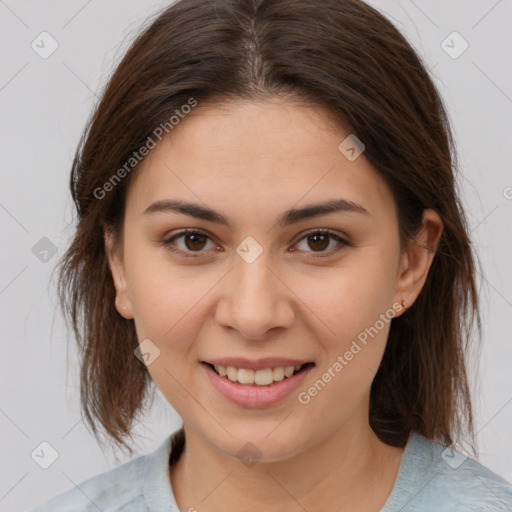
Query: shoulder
x=470 y=485
x=116 y=489
x=119 y=489
x=433 y=477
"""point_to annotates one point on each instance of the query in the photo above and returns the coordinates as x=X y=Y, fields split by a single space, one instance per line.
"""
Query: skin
x=251 y=161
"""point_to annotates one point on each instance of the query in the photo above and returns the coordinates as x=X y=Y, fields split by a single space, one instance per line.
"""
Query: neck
x=351 y=469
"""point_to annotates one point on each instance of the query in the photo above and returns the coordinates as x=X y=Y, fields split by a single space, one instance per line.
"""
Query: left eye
x=194 y=241
x=321 y=240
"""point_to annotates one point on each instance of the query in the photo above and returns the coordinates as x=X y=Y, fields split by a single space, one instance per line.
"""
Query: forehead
x=250 y=157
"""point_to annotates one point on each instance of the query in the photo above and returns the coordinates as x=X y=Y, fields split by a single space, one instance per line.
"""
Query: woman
x=269 y=232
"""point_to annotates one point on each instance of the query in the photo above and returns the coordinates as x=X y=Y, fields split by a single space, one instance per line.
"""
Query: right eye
x=193 y=239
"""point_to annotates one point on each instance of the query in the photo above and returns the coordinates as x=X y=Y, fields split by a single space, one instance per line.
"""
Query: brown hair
x=338 y=54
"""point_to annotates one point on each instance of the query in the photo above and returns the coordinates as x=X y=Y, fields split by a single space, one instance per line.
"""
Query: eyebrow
x=289 y=217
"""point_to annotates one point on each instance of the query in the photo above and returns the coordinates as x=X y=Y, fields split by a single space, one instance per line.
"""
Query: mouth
x=263 y=377
x=266 y=386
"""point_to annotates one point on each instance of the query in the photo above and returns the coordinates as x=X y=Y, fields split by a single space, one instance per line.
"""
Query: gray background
x=44 y=104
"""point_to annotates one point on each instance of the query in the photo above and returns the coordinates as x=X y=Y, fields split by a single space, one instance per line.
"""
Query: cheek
x=160 y=296
x=351 y=306
x=167 y=306
x=349 y=299
x=355 y=304
x=170 y=302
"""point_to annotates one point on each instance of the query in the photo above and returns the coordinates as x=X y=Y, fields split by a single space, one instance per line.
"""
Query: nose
x=255 y=300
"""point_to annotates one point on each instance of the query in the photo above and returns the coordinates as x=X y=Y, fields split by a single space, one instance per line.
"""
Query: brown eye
x=318 y=241
x=193 y=241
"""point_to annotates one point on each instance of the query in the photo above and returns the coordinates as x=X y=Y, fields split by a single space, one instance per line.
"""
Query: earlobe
x=116 y=264
x=417 y=259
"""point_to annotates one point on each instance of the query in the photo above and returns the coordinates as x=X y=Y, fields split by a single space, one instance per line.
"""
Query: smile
x=256 y=388
x=263 y=377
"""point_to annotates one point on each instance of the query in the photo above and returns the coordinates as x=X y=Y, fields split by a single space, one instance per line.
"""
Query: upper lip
x=256 y=364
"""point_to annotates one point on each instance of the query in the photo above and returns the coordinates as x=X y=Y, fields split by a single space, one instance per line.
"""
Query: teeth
x=288 y=371
x=232 y=373
x=259 y=377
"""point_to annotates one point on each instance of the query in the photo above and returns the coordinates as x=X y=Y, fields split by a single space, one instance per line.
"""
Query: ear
x=417 y=258
x=114 y=254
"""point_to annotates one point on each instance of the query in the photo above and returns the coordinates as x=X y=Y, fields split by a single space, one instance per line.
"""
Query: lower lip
x=255 y=396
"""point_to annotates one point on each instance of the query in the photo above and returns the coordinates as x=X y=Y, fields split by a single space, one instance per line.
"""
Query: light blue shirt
x=430 y=479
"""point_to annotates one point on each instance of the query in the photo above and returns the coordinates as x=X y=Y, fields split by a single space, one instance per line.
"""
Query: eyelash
x=190 y=254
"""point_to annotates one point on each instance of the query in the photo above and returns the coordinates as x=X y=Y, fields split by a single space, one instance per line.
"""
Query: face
x=265 y=284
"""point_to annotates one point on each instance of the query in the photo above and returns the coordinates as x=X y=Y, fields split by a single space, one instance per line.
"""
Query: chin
x=259 y=445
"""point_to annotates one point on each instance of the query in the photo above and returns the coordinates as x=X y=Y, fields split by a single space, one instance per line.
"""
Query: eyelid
x=341 y=239
x=334 y=234
x=167 y=242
